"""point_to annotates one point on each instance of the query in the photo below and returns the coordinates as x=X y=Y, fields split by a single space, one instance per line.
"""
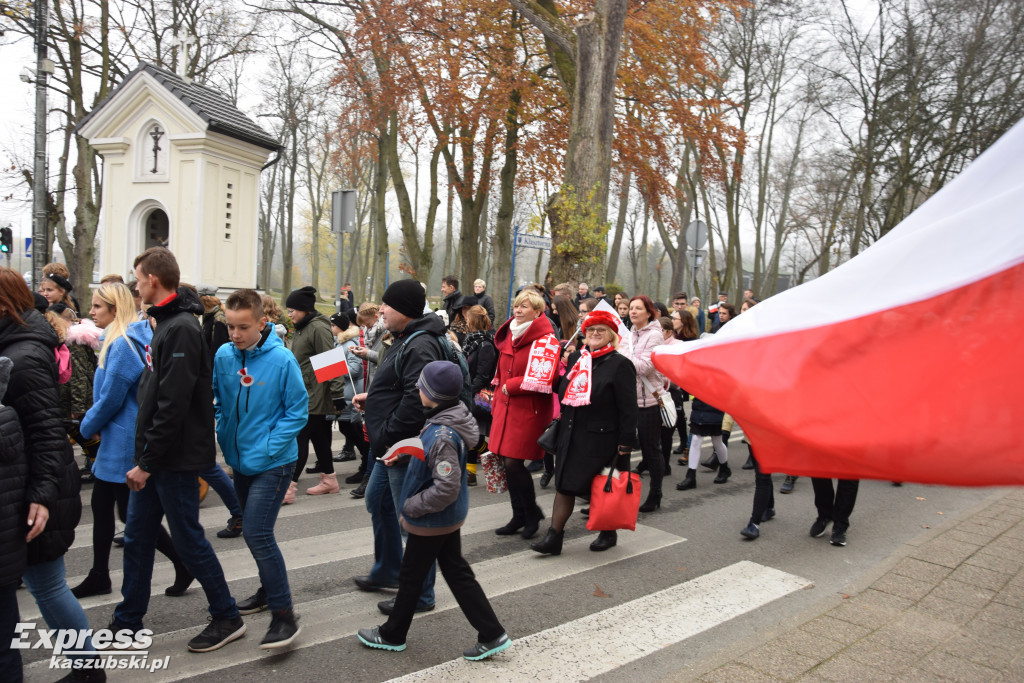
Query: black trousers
x=764 y=492
x=106 y=496
x=648 y=429
x=677 y=396
x=317 y=430
x=835 y=504
x=420 y=553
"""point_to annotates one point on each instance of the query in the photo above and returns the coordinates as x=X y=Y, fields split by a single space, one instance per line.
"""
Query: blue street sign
x=28 y=247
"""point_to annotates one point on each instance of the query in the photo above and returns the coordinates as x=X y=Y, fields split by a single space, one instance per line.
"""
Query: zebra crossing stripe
x=603 y=641
x=340 y=616
x=298 y=553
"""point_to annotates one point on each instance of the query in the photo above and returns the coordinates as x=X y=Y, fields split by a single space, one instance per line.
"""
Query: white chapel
x=181 y=169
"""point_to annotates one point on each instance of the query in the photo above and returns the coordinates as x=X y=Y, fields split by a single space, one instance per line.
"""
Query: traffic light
x=6 y=240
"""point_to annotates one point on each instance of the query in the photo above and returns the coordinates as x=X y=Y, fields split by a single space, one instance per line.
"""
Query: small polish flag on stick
x=412 y=446
x=329 y=364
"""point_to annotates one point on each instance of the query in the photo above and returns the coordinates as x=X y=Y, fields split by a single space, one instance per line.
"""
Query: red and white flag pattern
x=329 y=364
x=412 y=446
x=903 y=364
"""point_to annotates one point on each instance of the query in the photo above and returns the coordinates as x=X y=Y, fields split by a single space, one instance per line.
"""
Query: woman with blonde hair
x=528 y=355
x=121 y=360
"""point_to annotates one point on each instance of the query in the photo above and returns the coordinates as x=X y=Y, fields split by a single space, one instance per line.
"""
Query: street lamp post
x=43 y=68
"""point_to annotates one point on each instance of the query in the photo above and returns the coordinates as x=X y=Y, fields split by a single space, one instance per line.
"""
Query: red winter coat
x=520 y=418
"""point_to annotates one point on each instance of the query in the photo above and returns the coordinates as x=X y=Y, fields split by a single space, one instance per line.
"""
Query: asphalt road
x=674 y=583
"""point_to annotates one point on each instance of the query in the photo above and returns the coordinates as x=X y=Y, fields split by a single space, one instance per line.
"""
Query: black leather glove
x=339 y=404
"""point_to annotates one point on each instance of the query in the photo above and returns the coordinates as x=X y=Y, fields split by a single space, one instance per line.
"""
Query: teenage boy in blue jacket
x=432 y=509
x=261 y=406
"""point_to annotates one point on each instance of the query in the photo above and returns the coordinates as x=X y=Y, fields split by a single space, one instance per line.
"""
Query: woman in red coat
x=528 y=355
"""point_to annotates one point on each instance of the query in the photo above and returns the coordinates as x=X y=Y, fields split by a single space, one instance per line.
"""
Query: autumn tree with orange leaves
x=666 y=58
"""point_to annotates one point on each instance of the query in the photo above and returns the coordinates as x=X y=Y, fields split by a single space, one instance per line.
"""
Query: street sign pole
x=512 y=270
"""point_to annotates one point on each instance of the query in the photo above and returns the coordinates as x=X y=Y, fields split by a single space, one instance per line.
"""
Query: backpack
x=451 y=353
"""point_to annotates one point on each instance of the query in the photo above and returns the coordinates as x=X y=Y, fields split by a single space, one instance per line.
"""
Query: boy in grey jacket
x=432 y=509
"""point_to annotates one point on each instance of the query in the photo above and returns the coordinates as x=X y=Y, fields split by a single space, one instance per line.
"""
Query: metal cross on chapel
x=156 y=134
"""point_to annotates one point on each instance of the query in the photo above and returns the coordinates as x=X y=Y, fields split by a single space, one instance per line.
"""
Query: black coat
x=589 y=436
x=393 y=408
x=174 y=429
x=13 y=478
x=482 y=362
x=54 y=481
x=215 y=331
x=485 y=300
x=449 y=305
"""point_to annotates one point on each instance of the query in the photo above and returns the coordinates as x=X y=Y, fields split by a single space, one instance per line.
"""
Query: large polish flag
x=905 y=363
x=329 y=364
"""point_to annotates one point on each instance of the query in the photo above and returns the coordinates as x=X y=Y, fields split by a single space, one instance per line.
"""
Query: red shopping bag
x=614 y=501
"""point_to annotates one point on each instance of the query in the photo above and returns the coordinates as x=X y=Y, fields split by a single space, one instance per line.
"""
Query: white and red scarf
x=580 y=378
x=542 y=364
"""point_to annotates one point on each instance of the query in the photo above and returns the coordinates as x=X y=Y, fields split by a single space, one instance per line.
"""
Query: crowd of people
x=159 y=373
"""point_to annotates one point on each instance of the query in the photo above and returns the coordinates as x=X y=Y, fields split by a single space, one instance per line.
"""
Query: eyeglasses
x=595 y=330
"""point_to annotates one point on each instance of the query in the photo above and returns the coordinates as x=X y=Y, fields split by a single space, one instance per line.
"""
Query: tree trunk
x=620 y=224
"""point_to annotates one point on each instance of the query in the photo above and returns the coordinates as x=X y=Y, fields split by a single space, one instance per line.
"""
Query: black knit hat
x=302 y=299
x=41 y=304
x=407 y=297
x=441 y=381
x=341 y=321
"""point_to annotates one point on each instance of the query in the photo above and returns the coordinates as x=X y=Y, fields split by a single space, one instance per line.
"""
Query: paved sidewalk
x=951 y=609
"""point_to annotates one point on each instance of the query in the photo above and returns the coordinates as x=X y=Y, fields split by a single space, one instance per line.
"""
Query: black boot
x=712 y=462
x=652 y=503
x=749 y=464
x=723 y=473
x=518 y=516
x=604 y=540
x=690 y=482
x=533 y=521
x=360 y=491
x=182 y=580
x=551 y=544
x=96 y=583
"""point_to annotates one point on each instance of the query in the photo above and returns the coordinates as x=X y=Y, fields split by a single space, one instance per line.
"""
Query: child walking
x=433 y=507
x=261 y=405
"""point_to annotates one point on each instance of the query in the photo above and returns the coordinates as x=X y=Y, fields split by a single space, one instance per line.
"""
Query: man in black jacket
x=394 y=412
x=174 y=441
x=450 y=289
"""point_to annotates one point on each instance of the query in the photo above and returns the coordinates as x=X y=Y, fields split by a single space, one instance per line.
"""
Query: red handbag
x=614 y=501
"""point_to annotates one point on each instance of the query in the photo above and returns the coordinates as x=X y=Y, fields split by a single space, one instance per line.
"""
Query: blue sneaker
x=371 y=637
x=485 y=650
x=751 y=532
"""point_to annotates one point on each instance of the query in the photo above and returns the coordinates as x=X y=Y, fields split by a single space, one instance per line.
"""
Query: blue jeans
x=60 y=609
x=387 y=534
x=220 y=482
x=261 y=495
x=175 y=494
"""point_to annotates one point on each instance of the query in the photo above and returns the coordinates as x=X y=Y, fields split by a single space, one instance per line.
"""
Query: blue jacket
x=257 y=422
x=434 y=497
x=115 y=404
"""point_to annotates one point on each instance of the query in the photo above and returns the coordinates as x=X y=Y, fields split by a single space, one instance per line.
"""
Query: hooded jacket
x=259 y=413
x=313 y=336
x=174 y=430
x=347 y=340
x=53 y=479
x=393 y=408
x=83 y=341
x=115 y=404
x=644 y=340
x=435 y=499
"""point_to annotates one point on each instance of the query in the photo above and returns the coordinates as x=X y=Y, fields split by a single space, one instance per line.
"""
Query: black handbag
x=549 y=439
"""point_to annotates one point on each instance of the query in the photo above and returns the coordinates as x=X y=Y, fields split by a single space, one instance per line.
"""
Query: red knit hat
x=601 y=318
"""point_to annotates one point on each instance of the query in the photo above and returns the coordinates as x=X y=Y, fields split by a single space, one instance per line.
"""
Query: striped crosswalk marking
x=298 y=553
x=338 y=617
x=606 y=640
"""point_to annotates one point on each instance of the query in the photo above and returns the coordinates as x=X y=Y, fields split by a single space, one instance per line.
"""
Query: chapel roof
x=220 y=115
